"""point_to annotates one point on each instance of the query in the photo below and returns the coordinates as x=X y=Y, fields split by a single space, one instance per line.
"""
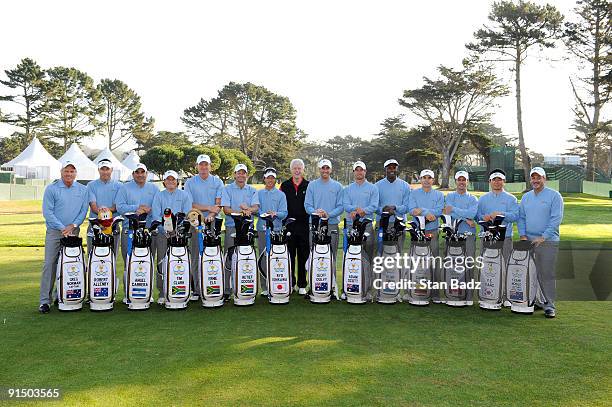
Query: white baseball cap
x=325 y=162
x=359 y=164
x=105 y=163
x=497 y=174
x=269 y=171
x=203 y=158
x=170 y=173
x=389 y=162
x=67 y=163
x=427 y=172
x=141 y=166
x=462 y=174
x=239 y=167
x=537 y=170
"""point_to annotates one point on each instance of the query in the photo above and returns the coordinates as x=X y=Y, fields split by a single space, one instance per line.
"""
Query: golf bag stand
x=420 y=278
x=102 y=270
x=177 y=264
x=522 y=284
x=356 y=267
x=139 y=266
x=71 y=273
x=211 y=265
x=244 y=262
x=389 y=291
x=454 y=273
x=321 y=265
x=493 y=271
x=275 y=262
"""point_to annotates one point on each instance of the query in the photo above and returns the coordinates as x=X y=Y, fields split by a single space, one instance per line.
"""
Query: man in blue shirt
x=428 y=202
x=393 y=195
x=64 y=209
x=177 y=200
x=324 y=198
x=102 y=194
x=463 y=205
x=236 y=197
x=205 y=190
x=272 y=202
x=499 y=202
x=540 y=214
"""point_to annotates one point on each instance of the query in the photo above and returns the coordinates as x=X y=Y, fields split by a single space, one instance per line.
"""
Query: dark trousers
x=299 y=245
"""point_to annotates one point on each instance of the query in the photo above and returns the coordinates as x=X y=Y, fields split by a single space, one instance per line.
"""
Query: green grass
x=307 y=354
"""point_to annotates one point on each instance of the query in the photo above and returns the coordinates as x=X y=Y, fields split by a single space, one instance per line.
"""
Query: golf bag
x=211 y=259
x=493 y=271
x=243 y=261
x=321 y=263
x=71 y=274
x=456 y=275
x=420 y=278
x=176 y=263
x=356 y=264
x=139 y=266
x=275 y=262
x=522 y=284
x=389 y=290
x=102 y=270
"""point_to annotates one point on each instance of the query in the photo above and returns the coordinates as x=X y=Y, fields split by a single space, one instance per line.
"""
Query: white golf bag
x=71 y=282
x=356 y=267
x=102 y=270
x=275 y=262
x=321 y=263
x=522 y=284
x=456 y=275
x=389 y=291
x=243 y=261
x=177 y=263
x=139 y=266
x=491 y=294
x=211 y=262
x=422 y=275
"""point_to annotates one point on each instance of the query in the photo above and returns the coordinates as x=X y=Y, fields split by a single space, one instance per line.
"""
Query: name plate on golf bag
x=102 y=282
x=389 y=277
x=71 y=287
x=491 y=276
x=176 y=277
x=140 y=277
x=456 y=275
x=354 y=280
x=421 y=274
x=321 y=270
x=244 y=269
x=212 y=277
x=522 y=282
x=279 y=272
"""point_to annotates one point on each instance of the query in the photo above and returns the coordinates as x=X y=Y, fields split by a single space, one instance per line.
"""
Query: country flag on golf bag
x=179 y=290
x=100 y=292
x=247 y=288
x=73 y=293
x=139 y=292
x=213 y=290
x=321 y=286
x=352 y=288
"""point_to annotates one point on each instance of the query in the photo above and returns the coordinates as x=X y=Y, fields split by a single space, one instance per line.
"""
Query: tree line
x=454 y=106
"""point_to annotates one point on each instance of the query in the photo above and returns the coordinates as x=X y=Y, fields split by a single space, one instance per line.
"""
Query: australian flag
x=100 y=292
x=321 y=286
x=352 y=288
x=74 y=293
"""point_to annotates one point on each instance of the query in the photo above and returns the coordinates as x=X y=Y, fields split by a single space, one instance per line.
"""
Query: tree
x=449 y=104
x=71 y=106
x=229 y=159
x=246 y=117
x=122 y=116
x=28 y=81
x=515 y=29
x=589 y=40
x=160 y=159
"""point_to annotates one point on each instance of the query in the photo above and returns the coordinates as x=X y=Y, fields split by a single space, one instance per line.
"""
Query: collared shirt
x=177 y=200
x=431 y=202
x=364 y=196
x=63 y=205
x=541 y=214
x=204 y=191
x=272 y=200
x=103 y=193
x=131 y=196
x=233 y=196
x=396 y=193
x=501 y=202
x=465 y=207
x=326 y=195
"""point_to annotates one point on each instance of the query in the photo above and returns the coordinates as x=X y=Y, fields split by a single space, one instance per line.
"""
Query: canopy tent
x=35 y=162
x=132 y=160
x=120 y=171
x=86 y=169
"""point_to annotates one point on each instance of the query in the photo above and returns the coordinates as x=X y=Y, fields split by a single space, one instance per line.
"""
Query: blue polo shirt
x=63 y=205
x=326 y=195
x=541 y=214
x=103 y=193
x=364 y=196
x=395 y=193
x=131 y=196
x=204 y=191
x=177 y=201
x=502 y=202
x=233 y=196
x=272 y=200
x=429 y=202
x=465 y=206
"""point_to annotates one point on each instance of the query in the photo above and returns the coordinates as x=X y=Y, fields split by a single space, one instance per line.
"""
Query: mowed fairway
x=301 y=353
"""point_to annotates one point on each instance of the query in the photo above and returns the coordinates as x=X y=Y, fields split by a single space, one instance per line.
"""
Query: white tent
x=120 y=171
x=132 y=160
x=86 y=169
x=35 y=162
